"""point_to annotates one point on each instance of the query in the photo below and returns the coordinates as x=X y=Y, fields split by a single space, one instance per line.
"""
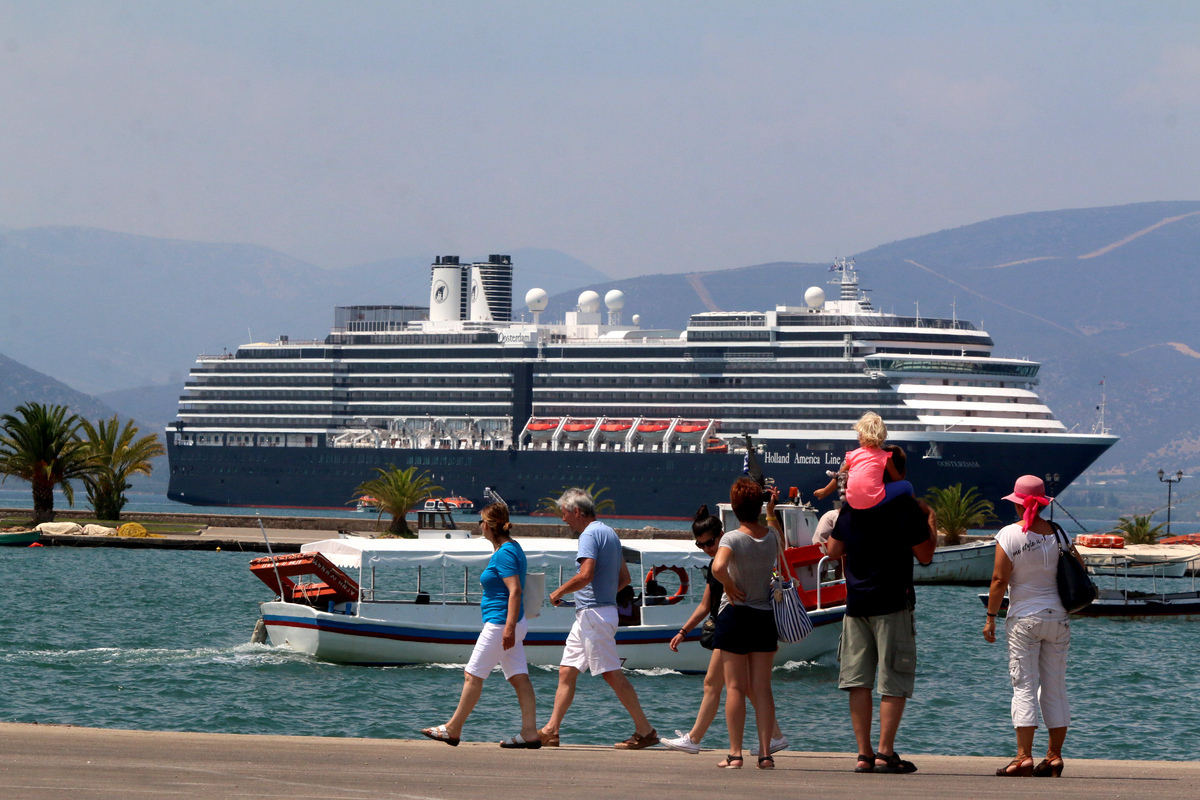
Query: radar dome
x=615 y=300
x=536 y=299
x=637 y=319
x=589 y=302
x=814 y=297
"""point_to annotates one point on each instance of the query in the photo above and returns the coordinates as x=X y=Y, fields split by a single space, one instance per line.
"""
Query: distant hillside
x=1095 y=294
x=21 y=384
x=113 y=310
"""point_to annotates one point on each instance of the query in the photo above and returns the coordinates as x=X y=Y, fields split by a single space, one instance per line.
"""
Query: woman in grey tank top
x=745 y=633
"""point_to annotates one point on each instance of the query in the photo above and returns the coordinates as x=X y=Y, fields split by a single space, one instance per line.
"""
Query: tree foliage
x=957 y=511
x=549 y=505
x=396 y=492
x=117 y=454
x=38 y=443
x=1138 y=530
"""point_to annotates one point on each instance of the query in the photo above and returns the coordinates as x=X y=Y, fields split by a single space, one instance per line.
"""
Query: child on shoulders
x=864 y=467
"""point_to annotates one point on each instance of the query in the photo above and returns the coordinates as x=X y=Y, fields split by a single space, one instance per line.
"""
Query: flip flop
x=440 y=734
x=519 y=742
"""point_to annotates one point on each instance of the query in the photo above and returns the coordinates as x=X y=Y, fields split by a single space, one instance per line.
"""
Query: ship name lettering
x=808 y=459
x=959 y=464
x=830 y=458
x=777 y=458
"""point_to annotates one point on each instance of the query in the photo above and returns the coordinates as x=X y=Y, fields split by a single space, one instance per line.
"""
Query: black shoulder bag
x=1075 y=586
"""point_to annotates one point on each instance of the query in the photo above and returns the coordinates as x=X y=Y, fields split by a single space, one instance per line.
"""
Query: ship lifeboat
x=366 y=503
x=542 y=429
x=1187 y=538
x=615 y=430
x=653 y=430
x=578 y=430
x=716 y=445
x=691 y=431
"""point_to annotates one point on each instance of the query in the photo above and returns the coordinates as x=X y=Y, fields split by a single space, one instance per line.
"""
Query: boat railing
x=369 y=593
x=822 y=566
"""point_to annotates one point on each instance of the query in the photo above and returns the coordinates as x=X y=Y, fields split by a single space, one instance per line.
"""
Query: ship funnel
x=446 y=290
x=490 y=296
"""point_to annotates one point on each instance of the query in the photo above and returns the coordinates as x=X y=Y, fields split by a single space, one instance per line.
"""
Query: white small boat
x=968 y=564
x=406 y=601
x=1144 y=560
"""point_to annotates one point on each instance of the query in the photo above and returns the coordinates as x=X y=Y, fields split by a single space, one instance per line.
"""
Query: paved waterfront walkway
x=44 y=761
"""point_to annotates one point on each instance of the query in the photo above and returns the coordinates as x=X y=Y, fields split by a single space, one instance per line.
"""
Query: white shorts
x=489 y=651
x=592 y=643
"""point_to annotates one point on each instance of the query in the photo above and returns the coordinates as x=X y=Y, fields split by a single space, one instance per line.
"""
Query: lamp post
x=1051 y=480
x=1170 y=482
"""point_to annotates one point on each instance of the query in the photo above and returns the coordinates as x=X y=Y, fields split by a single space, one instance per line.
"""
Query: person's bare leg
x=1054 y=749
x=714 y=684
x=628 y=697
x=1025 y=742
x=525 y=697
x=563 y=697
x=860 y=718
x=891 y=709
x=764 y=699
x=472 y=688
x=737 y=680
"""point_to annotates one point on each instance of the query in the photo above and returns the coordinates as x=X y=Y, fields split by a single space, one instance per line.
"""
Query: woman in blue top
x=501 y=642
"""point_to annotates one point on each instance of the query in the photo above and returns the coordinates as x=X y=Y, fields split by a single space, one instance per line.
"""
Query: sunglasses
x=707 y=544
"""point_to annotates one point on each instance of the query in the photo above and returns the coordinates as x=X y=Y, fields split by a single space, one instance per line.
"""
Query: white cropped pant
x=1037 y=664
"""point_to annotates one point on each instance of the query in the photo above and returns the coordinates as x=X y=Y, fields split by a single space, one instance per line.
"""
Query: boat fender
x=37 y=544
x=680 y=573
x=260 y=633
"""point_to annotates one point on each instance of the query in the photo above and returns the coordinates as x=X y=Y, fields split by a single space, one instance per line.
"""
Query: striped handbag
x=792 y=622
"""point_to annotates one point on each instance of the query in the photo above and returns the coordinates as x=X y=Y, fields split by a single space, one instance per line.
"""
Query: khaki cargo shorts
x=879 y=651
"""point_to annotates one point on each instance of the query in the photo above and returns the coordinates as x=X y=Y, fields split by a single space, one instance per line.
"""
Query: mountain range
x=1103 y=297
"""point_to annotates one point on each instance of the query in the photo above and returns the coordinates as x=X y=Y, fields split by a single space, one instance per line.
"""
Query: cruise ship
x=659 y=418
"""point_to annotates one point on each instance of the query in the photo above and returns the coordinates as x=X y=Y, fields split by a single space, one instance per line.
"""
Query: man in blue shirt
x=592 y=643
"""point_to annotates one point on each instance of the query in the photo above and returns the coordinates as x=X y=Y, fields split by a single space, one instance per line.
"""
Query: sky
x=640 y=137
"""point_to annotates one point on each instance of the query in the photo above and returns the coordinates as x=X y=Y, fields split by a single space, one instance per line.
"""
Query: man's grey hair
x=577 y=500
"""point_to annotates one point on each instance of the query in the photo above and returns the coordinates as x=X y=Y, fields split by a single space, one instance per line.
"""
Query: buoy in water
x=37 y=544
x=260 y=633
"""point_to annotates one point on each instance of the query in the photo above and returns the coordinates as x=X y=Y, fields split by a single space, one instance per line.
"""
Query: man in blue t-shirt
x=878 y=640
x=592 y=643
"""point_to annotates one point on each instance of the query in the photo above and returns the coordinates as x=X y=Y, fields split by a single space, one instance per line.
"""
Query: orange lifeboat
x=691 y=431
x=653 y=430
x=578 y=430
x=542 y=429
x=615 y=430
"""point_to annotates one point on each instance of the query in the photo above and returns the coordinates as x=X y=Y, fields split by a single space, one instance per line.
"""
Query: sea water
x=159 y=640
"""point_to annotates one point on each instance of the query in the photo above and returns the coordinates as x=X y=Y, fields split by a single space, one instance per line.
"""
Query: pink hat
x=1028 y=486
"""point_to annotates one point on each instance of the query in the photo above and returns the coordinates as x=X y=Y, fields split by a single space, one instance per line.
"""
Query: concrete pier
x=48 y=762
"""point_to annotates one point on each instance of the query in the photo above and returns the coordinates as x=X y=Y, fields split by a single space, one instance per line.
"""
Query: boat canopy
x=354 y=552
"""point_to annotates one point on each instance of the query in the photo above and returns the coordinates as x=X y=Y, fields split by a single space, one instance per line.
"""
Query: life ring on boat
x=680 y=573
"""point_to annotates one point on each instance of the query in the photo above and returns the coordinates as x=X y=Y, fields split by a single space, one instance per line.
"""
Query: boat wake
x=241 y=655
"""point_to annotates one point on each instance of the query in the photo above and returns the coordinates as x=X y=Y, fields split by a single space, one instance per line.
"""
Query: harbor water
x=158 y=640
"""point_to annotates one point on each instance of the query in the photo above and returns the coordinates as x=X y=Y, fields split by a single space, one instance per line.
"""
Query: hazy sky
x=639 y=137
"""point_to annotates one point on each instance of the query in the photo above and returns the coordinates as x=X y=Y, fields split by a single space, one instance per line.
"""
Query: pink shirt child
x=864 y=476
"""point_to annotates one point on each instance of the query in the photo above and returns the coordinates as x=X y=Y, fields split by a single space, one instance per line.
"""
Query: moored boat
x=968 y=564
x=381 y=602
x=19 y=538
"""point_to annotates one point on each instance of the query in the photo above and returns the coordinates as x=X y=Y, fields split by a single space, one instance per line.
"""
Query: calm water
x=157 y=640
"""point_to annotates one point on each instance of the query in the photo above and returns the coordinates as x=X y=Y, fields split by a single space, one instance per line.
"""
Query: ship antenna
x=1099 y=427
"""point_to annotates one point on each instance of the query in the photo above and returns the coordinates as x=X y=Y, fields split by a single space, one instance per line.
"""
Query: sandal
x=728 y=762
x=869 y=758
x=519 y=742
x=440 y=734
x=894 y=765
x=1048 y=769
x=1022 y=770
x=766 y=759
x=548 y=739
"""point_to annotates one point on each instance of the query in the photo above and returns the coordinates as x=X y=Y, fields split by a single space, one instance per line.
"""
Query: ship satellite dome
x=814 y=297
x=537 y=299
x=589 y=302
x=637 y=319
x=615 y=300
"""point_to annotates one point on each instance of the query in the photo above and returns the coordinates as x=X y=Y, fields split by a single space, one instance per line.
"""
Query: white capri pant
x=489 y=651
x=1037 y=664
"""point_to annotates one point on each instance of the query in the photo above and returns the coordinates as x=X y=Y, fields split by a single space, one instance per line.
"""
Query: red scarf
x=1032 y=503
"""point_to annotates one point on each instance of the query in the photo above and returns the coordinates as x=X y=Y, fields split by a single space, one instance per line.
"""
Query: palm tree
x=39 y=444
x=957 y=512
x=1137 y=529
x=117 y=454
x=396 y=492
x=549 y=505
